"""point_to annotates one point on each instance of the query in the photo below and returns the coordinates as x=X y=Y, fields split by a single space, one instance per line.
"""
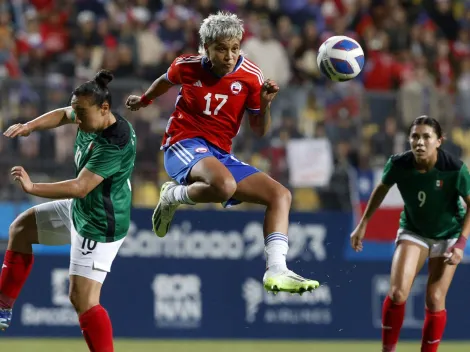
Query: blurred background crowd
x=417 y=62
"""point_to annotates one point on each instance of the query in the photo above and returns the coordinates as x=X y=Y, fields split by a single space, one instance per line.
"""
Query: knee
x=435 y=300
x=80 y=300
x=398 y=294
x=23 y=228
x=15 y=229
x=225 y=188
x=282 y=197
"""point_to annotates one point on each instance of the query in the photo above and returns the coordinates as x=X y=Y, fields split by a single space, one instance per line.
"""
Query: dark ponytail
x=97 y=88
x=103 y=78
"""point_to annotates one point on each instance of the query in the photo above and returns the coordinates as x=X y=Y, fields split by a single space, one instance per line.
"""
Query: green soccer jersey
x=104 y=214
x=432 y=200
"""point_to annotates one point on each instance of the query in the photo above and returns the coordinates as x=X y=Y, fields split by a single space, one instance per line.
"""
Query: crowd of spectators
x=417 y=62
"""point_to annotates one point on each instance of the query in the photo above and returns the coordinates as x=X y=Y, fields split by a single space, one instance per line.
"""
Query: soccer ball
x=340 y=58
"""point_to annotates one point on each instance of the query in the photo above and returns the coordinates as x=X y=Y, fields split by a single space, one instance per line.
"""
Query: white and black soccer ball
x=340 y=58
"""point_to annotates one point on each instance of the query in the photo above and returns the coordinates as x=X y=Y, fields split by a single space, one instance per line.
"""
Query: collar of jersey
x=207 y=65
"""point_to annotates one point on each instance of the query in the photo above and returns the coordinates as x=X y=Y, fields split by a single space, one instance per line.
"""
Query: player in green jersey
x=92 y=212
x=433 y=225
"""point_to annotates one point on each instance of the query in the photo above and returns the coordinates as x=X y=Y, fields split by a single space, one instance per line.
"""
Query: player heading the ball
x=92 y=212
x=217 y=87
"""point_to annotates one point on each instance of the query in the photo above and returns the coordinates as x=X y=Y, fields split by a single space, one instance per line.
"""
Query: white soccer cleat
x=288 y=281
x=164 y=212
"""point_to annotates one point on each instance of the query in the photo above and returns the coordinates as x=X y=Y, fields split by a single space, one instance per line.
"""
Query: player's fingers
x=15 y=175
x=456 y=259
x=10 y=130
x=450 y=260
x=16 y=132
x=356 y=243
x=20 y=131
x=352 y=240
x=17 y=169
x=271 y=84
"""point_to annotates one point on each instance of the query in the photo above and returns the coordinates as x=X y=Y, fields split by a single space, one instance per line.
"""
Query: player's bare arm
x=159 y=87
x=76 y=188
x=376 y=198
x=47 y=121
x=260 y=123
x=457 y=250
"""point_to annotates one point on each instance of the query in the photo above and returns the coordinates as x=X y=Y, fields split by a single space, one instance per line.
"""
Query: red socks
x=434 y=325
x=15 y=270
x=393 y=315
x=97 y=330
x=95 y=323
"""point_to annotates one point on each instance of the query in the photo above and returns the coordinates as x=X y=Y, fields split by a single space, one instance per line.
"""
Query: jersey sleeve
x=389 y=176
x=253 y=103
x=105 y=160
x=463 y=181
x=173 y=74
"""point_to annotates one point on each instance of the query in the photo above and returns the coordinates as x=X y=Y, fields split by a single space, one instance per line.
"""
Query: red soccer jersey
x=209 y=106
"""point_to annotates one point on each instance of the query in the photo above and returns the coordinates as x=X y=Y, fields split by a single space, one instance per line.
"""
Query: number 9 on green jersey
x=433 y=208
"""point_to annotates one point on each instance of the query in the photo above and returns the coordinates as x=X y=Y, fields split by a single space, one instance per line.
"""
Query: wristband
x=461 y=242
x=144 y=100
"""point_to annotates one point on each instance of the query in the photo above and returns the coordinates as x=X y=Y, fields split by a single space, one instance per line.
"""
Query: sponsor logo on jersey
x=439 y=183
x=236 y=87
x=201 y=150
x=197 y=84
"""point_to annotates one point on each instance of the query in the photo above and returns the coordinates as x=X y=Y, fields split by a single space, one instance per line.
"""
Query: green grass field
x=56 y=345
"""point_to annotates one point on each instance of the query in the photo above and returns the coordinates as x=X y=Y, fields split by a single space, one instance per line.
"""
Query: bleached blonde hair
x=220 y=25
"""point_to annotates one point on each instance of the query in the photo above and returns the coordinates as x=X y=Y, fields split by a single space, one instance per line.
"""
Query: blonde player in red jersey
x=217 y=87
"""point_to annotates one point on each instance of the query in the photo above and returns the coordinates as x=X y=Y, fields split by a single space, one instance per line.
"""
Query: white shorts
x=88 y=258
x=437 y=248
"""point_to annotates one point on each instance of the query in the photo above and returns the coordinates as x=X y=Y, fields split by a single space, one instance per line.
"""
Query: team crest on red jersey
x=236 y=87
x=201 y=150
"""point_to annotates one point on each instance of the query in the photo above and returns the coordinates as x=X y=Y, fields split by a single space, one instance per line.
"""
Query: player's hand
x=269 y=90
x=21 y=176
x=133 y=103
x=18 y=129
x=357 y=237
x=454 y=256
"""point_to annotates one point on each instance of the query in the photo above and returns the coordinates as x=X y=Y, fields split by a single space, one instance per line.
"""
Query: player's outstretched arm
x=376 y=198
x=259 y=123
x=76 y=188
x=49 y=120
x=159 y=87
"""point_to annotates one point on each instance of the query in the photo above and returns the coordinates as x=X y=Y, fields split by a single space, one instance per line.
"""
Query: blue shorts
x=183 y=155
